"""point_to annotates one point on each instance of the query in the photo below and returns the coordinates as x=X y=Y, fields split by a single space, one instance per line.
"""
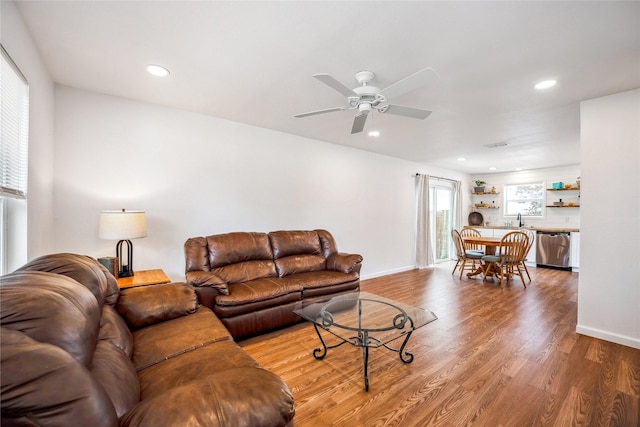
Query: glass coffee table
x=364 y=320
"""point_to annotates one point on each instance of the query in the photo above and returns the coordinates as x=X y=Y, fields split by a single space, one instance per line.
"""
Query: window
x=14 y=130
x=14 y=143
x=525 y=199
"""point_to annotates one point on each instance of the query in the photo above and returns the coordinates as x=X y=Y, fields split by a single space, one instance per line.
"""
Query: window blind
x=14 y=129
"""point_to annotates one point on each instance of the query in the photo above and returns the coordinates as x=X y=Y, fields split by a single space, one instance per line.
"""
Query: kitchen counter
x=546 y=229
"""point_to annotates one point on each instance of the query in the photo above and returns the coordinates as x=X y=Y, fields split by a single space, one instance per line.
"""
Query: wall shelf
x=564 y=206
x=563 y=189
x=486 y=192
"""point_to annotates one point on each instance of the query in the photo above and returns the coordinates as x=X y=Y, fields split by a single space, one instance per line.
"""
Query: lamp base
x=125 y=273
x=126 y=270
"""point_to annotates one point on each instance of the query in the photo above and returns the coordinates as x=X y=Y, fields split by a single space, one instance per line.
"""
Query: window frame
x=542 y=199
x=14 y=147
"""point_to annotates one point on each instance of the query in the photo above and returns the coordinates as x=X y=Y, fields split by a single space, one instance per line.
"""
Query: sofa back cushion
x=51 y=308
x=85 y=270
x=297 y=252
x=44 y=385
x=240 y=257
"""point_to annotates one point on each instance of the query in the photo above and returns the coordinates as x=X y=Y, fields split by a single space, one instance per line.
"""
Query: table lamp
x=122 y=226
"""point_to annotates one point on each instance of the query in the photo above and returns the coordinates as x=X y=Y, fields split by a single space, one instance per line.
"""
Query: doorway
x=441 y=206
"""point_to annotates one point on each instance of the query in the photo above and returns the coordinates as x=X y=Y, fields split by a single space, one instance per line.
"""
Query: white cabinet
x=574 y=258
x=485 y=232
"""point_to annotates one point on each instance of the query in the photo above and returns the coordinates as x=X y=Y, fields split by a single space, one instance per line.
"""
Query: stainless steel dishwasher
x=553 y=249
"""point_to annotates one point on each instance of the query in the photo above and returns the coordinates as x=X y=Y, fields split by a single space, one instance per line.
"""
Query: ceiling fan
x=366 y=98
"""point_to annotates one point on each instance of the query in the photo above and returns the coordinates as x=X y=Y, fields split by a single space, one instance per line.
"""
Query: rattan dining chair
x=464 y=255
x=509 y=257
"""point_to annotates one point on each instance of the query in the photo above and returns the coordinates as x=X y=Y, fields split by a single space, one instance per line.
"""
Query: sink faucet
x=519 y=218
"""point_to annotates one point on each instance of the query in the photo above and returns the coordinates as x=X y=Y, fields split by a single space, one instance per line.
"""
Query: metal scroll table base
x=363 y=340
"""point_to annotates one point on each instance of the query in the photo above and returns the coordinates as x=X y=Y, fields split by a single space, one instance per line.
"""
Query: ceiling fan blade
x=334 y=84
x=414 y=113
x=412 y=82
x=313 y=113
x=358 y=123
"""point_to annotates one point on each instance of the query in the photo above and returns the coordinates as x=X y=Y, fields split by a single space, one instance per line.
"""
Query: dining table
x=490 y=244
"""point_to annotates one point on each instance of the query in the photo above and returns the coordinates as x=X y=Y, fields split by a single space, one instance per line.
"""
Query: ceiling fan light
x=157 y=70
x=546 y=84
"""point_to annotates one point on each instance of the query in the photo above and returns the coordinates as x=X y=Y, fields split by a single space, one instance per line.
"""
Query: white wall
x=39 y=222
x=553 y=217
x=197 y=175
x=609 y=290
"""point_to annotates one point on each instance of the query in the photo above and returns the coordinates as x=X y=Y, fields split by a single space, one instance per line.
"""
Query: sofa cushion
x=85 y=270
x=196 y=254
x=319 y=279
x=161 y=341
x=114 y=371
x=240 y=257
x=295 y=264
x=209 y=359
x=207 y=279
x=114 y=330
x=295 y=242
x=147 y=305
x=241 y=397
x=51 y=308
x=44 y=385
x=258 y=290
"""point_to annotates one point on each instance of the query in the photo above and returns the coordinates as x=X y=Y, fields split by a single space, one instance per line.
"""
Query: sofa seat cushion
x=161 y=341
x=257 y=291
x=210 y=359
x=319 y=279
x=256 y=295
x=241 y=397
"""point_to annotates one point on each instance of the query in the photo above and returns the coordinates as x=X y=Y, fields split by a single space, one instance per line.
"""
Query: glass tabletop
x=347 y=316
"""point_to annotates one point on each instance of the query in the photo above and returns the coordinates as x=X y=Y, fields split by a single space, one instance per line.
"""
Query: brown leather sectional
x=77 y=352
x=253 y=281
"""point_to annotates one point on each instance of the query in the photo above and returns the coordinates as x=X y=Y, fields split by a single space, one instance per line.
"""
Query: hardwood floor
x=495 y=357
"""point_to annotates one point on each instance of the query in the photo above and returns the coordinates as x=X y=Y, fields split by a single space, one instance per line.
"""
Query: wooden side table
x=144 y=277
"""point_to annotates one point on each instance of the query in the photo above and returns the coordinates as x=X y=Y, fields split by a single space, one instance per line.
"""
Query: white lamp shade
x=122 y=225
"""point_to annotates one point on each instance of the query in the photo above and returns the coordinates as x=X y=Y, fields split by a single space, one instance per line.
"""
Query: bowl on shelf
x=557 y=185
x=558 y=203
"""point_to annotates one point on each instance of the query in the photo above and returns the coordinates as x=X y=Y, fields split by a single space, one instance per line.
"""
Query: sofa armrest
x=346 y=263
x=202 y=279
x=146 y=305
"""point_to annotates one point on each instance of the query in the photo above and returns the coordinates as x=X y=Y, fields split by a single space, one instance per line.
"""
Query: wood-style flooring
x=495 y=357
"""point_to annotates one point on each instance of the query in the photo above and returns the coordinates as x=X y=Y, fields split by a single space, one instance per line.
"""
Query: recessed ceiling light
x=461 y=159
x=546 y=84
x=157 y=70
x=492 y=168
x=518 y=169
x=374 y=133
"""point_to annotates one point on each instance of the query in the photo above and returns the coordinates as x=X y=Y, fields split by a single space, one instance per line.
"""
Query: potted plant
x=479 y=188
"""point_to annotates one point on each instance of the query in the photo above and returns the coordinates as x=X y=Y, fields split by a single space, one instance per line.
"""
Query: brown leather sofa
x=77 y=352
x=253 y=281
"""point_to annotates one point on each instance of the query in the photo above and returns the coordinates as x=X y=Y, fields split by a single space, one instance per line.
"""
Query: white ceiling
x=252 y=62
